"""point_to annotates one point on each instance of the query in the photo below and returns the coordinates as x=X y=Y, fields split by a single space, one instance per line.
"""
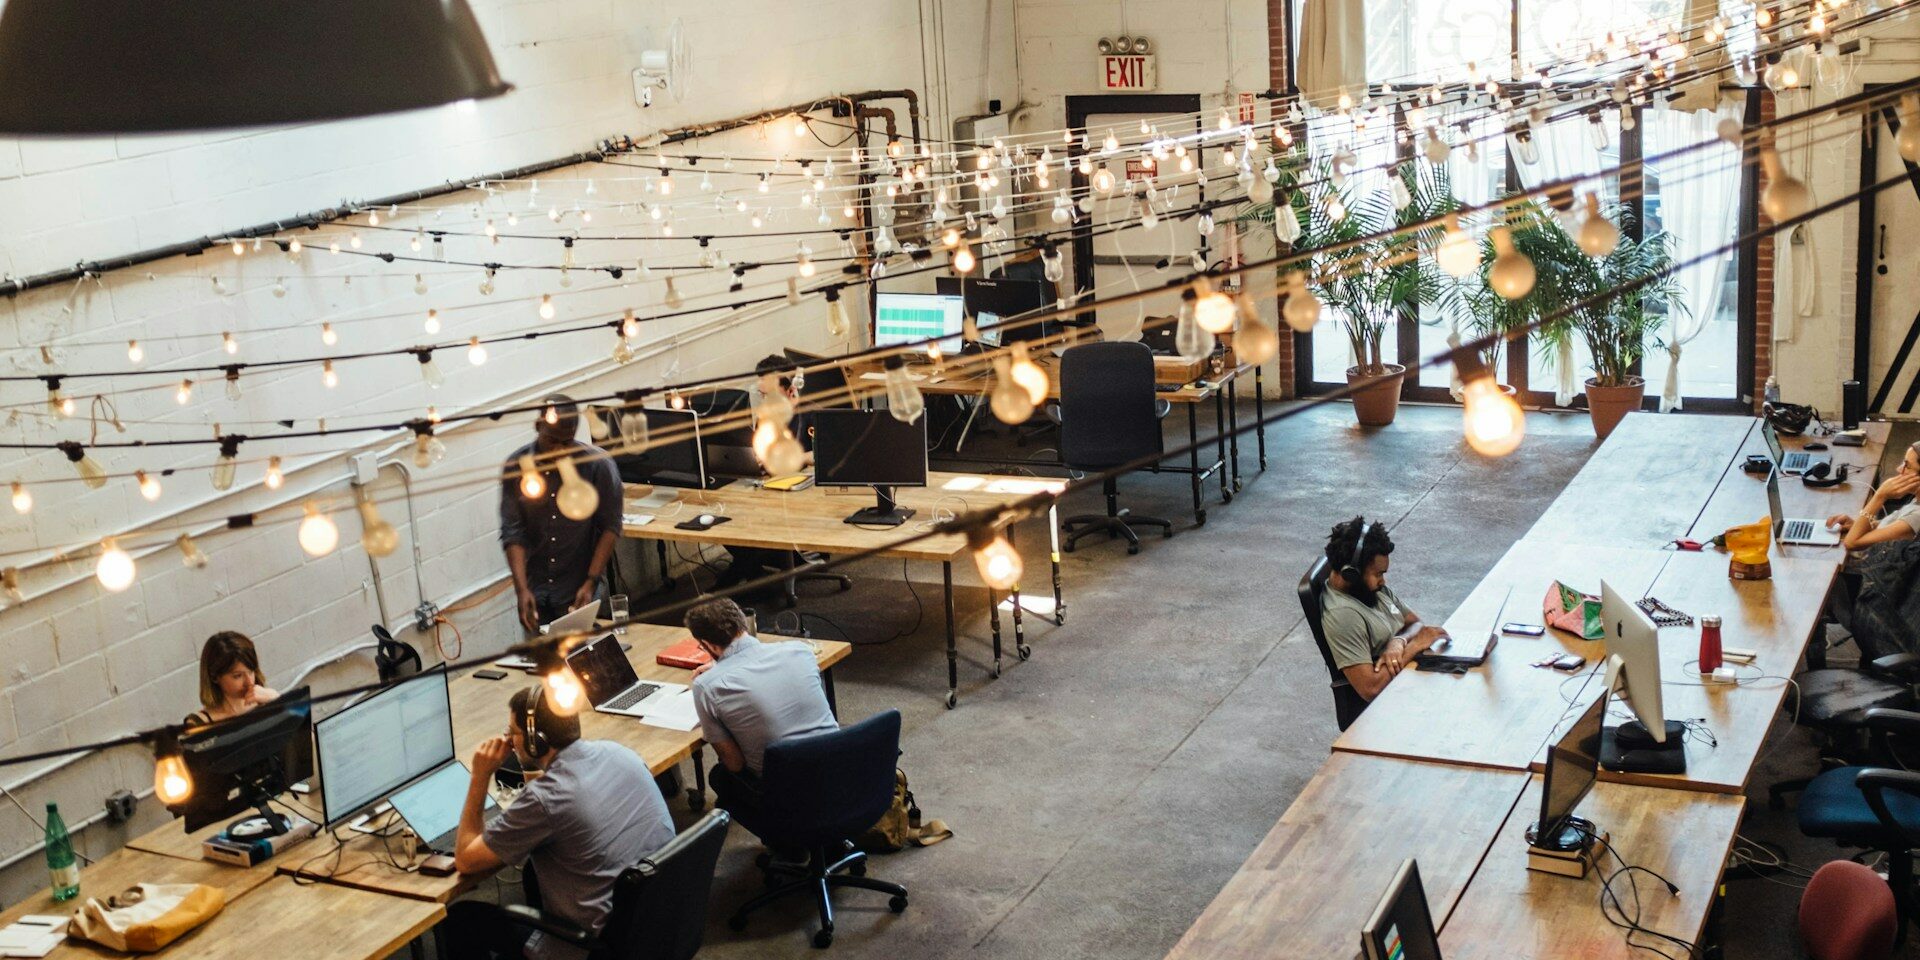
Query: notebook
x=686 y=655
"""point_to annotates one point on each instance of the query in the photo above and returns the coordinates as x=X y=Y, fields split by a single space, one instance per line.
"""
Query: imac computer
x=870 y=448
x=673 y=456
x=380 y=744
x=1401 y=926
x=243 y=763
x=902 y=318
x=1572 y=765
x=1651 y=744
x=726 y=433
x=996 y=300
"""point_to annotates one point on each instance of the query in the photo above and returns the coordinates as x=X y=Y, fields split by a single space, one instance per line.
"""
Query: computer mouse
x=1816 y=446
x=706 y=519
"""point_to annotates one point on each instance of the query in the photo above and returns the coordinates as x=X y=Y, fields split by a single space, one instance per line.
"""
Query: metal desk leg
x=697 y=797
x=953 y=651
x=993 y=616
x=1233 y=430
x=417 y=947
x=1193 y=463
x=790 y=587
x=666 y=577
x=1019 y=629
x=1220 y=442
x=833 y=700
x=1260 y=415
x=1053 y=556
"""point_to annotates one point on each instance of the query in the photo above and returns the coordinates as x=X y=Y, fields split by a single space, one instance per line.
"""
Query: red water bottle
x=1709 y=645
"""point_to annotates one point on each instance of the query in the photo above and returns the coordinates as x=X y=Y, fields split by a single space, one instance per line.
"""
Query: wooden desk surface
x=1648 y=483
x=975 y=381
x=1501 y=713
x=1509 y=911
x=815 y=518
x=1741 y=498
x=1309 y=886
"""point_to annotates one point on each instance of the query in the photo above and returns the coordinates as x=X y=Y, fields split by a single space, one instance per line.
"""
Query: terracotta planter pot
x=1609 y=405
x=1376 y=406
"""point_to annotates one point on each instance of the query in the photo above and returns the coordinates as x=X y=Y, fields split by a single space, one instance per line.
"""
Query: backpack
x=901 y=826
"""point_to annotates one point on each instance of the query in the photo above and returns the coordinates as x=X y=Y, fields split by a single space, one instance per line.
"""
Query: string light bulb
x=671 y=299
x=1028 y=374
x=229 y=344
x=88 y=468
x=190 y=555
x=1009 y=401
x=183 y=393
x=837 y=324
x=274 y=479
x=327 y=335
x=149 y=485
x=547 y=310
x=1598 y=237
x=1512 y=274
x=172 y=784
x=1907 y=141
x=1458 y=254
x=115 y=569
x=904 y=401
x=1493 y=419
x=1216 y=312
x=328 y=377
x=134 y=353
x=227 y=465
x=993 y=555
x=22 y=498
x=377 y=537
x=564 y=693
x=1302 y=309
x=432 y=323
x=427 y=449
x=531 y=485
x=577 y=499
x=430 y=371
x=1785 y=197
x=233 y=383
x=476 y=351
x=318 y=534
x=963 y=259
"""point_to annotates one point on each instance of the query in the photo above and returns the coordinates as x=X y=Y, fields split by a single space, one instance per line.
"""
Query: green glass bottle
x=60 y=860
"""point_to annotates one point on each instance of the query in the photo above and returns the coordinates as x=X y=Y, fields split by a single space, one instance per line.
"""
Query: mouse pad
x=695 y=524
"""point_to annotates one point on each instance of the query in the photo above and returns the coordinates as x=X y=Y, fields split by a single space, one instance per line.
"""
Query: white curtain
x=1696 y=210
x=1333 y=51
x=1565 y=149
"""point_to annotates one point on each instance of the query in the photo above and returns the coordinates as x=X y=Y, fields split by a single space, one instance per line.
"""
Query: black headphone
x=537 y=744
x=1823 y=475
x=1351 y=571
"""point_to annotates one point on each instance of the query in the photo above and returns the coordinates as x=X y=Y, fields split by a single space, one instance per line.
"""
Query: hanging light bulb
x=531 y=485
x=190 y=555
x=1053 y=265
x=1336 y=209
x=1493 y=419
x=318 y=534
x=229 y=344
x=1512 y=273
x=274 y=478
x=1524 y=147
x=1907 y=141
x=1103 y=180
x=87 y=467
x=671 y=299
x=377 y=537
x=134 y=353
x=1190 y=340
x=172 y=785
x=904 y=401
x=1302 y=309
x=476 y=351
x=665 y=183
x=148 y=484
x=427 y=449
x=837 y=324
x=430 y=371
x=10 y=585
x=1213 y=310
x=1028 y=374
x=328 y=377
x=183 y=393
x=58 y=403
x=546 y=306
x=1010 y=402
x=22 y=498
x=225 y=467
x=1255 y=342
x=999 y=564
x=1785 y=197
x=1598 y=236
x=577 y=499
x=432 y=324
x=115 y=569
x=1458 y=254
x=327 y=336
x=803 y=262
x=963 y=259
x=564 y=694
x=486 y=283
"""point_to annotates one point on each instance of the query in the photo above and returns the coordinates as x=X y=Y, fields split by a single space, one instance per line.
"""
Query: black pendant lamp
x=135 y=66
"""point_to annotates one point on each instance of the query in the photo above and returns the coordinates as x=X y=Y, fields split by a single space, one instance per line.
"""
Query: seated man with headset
x=1371 y=633
x=590 y=810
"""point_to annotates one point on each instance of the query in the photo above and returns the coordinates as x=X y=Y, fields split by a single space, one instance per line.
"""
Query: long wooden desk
x=264 y=913
x=1310 y=884
x=1647 y=483
x=814 y=520
x=1741 y=498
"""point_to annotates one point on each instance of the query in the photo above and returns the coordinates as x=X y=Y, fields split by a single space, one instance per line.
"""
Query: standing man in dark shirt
x=557 y=562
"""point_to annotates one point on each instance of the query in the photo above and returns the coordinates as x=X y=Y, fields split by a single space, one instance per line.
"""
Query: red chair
x=1847 y=913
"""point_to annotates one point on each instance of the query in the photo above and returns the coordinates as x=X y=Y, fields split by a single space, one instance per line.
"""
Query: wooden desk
x=1648 y=483
x=264 y=913
x=1501 y=713
x=814 y=520
x=1509 y=911
x=1741 y=498
x=1310 y=884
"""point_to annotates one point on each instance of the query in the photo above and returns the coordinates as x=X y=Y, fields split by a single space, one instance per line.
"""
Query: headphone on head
x=536 y=740
x=1350 y=572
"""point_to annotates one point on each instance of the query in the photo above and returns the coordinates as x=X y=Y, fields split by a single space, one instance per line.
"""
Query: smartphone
x=490 y=674
x=1569 y=662
x=1523 y=629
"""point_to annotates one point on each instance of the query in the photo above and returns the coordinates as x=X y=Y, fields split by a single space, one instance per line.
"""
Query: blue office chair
x=1109 y=415
x=1348 y=704
x=1873 y=807
x=821 y=791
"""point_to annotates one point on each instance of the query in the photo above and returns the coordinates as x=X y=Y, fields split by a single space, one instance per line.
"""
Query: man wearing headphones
x=591 y=811
x=776 y=372
x=1372 y=634
x=556 y=561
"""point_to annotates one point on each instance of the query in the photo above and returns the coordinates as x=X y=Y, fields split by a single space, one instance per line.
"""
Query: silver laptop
x=1796 y=530
x=1452 y=654
x=1791 y=463
x=612 y=685
x=575 y=621
x=431 y=806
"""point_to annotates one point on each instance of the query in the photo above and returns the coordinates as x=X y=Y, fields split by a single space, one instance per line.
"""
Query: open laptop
x=431 y=806
x=612 y=685
x=1796 y=530
x=1795 y=462
x=1451 y=653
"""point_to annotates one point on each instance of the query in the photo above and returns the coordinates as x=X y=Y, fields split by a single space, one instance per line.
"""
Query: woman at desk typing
x=230 y=679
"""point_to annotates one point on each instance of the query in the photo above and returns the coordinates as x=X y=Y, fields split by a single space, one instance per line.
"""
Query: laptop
x=1791 y=463
x=612 y=685
x=431 y=806
x=1451 y=653
x=1796 y=530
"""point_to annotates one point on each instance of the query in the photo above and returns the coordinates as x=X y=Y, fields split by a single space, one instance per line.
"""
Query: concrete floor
x=1103 y=792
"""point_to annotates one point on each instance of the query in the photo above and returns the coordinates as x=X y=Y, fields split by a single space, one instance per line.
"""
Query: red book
x=686 y=655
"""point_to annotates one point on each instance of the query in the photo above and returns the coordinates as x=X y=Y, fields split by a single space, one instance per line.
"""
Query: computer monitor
x=726 y=433
x=244 y=762
x=1572 y=765
x=826 y=384
x=673 y=456
x=1401 y=927
x=389 y=739
x=1633 y=660
x=999 y=299
x=900 y=318
x=870 y=448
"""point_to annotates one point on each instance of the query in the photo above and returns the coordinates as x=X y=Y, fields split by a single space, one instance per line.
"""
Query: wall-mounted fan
x=664 y=69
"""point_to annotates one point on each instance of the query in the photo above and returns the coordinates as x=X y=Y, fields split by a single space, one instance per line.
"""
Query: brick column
x=1277 y=27
x=1763 y=276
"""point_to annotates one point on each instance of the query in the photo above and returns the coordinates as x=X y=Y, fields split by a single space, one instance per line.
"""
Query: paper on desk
x=882 y=376
x=32 y=936
x=675 y=713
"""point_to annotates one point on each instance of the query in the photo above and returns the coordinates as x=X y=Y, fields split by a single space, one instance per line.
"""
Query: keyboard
x=1798 y=530
x=1795 y=461
x=633 y=695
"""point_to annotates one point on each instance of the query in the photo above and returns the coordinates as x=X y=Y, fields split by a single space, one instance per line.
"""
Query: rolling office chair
x=823 y=790
x=1109 y=415
x=1847 y=913
x=1348 y=704
x=659 y=904
x=1873 y=807
x=1833 y=702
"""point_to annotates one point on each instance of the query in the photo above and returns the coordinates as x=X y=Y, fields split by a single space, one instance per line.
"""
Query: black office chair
x=1833 y=703
x=659 y=904
x=1109 y=415
x=1873 y=807
x=1348 y=704
x=393 y=659
x=823 y=790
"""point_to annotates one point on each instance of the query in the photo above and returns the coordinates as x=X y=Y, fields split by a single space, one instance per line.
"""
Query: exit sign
x=1127 y=71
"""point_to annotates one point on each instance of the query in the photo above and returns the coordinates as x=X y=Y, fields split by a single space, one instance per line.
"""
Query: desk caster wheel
x=1226 y=496
x=823 y=939
x=897 y=904
x=737 y=922
x=857 y=868
x=696 y=802
x=1200 y=518
x=1133 y=547
x=953 y=700
x=1068 y=546
x=1166 y=533
x=1024 y=651
x=995 y=672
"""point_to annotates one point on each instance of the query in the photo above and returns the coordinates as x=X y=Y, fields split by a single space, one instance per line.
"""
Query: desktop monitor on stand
x=384 y=742
x=1651 y=744
x=906 y=318
x=1401 y=927
x=243 y=763
x=870 y=448
x=1572 y=765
